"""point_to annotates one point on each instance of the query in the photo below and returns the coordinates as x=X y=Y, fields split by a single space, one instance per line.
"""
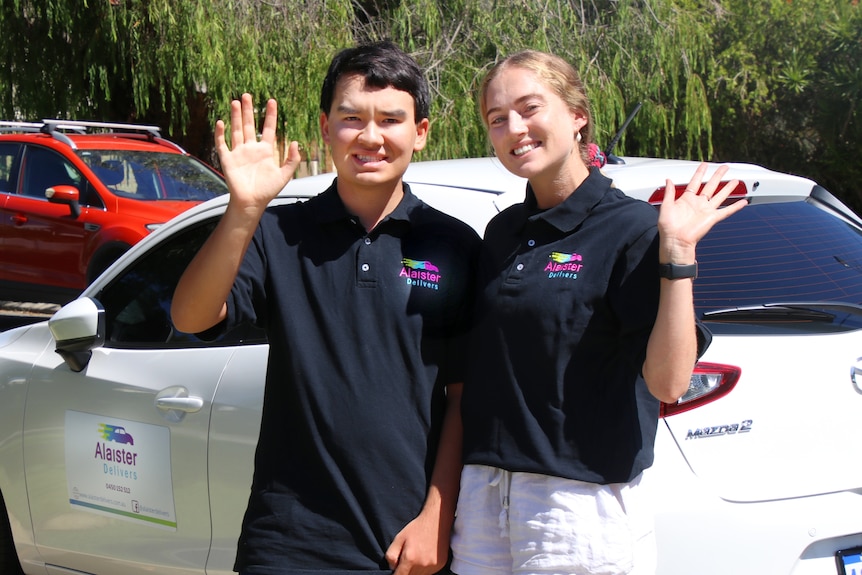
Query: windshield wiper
x=824 y=312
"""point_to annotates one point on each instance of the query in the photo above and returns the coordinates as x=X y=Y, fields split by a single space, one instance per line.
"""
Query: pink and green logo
x=420 y=273
x=563 y=265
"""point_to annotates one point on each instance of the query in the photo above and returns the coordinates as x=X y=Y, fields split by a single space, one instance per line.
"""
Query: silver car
x=127 y=447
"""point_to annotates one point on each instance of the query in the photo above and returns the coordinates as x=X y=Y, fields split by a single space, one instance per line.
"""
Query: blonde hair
x=558 y=75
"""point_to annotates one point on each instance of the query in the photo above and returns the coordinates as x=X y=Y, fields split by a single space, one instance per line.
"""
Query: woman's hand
x=683 y=221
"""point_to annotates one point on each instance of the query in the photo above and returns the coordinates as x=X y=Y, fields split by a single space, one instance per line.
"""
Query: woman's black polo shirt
x=569 y=297
x=365 y=330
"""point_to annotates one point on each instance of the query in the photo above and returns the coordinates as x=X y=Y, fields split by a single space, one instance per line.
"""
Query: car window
x=154 y=175
x=45 y=168
x=779 y=252
x=8 y=166
x=137 y=304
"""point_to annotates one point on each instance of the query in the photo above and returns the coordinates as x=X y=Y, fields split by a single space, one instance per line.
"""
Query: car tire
x=103 y=258
x=9 y=564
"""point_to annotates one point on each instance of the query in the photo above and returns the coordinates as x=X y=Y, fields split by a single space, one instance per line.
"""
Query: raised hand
x=253 y=174
x=683 y=221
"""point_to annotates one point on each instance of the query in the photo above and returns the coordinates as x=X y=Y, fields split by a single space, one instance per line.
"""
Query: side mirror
x=78 y=328
x=68 y=195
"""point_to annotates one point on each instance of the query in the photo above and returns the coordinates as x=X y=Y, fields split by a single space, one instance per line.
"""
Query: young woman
x=585 y=323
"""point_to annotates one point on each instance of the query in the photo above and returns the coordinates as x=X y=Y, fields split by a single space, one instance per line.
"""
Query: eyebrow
x=520 y=100
x=396 y=113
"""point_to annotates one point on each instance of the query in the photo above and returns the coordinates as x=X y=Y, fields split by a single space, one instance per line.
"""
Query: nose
x=370 y=135
x=516 y=123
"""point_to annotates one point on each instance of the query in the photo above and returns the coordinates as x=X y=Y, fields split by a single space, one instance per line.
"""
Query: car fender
x=22 y=347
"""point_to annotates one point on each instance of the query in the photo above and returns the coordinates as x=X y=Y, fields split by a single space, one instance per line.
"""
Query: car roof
x=441 y=183
x=637 y=177
x=89 y=135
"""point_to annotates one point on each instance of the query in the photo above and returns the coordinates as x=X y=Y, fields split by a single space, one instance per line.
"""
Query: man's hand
x=420 y=548
x=249 y=165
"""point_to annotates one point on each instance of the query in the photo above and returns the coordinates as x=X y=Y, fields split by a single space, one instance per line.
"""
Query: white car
x=127 y=447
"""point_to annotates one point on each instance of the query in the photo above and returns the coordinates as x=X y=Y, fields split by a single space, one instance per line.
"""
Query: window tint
x=45 y=168
x=154 y=175
x=138 y=303
x=8 y=166
x=779 y=252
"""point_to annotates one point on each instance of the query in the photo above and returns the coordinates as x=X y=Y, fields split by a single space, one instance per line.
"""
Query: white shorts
x=526 y=523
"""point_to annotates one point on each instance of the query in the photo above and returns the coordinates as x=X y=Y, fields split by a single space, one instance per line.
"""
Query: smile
x=524 y=149
x=366 y=159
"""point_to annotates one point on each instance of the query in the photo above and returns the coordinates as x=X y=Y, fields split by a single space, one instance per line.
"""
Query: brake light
x=740 y=191
x=709 y=381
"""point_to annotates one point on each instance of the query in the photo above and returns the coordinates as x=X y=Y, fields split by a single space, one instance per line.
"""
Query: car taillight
x=709 y=381
x=740 y=191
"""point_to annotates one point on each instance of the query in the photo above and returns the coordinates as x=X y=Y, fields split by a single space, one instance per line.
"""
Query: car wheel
x=9 y=564
x=107 y=255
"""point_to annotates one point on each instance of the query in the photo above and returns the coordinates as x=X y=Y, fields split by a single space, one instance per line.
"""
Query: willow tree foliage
x=770 y=81
x=179 y=62
x=176 y=63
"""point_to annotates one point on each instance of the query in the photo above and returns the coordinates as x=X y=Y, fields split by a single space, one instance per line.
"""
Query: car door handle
x=175 y=402
x=186 y=404
x=19 y=219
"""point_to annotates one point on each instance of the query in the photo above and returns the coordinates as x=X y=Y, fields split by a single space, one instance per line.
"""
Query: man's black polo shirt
x=569 y=297
x=365 y=330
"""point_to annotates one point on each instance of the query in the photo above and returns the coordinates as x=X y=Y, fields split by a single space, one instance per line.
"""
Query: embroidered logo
x=420 y=273
x=561 y=265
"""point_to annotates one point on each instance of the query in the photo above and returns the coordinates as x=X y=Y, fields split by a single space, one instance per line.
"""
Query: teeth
x=367 y=158
x=523 y=149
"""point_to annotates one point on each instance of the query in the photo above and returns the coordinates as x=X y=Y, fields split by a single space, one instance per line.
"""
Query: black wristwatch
x=677 y=272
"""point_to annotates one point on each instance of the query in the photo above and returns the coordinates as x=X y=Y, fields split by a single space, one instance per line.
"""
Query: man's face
x=372 y=133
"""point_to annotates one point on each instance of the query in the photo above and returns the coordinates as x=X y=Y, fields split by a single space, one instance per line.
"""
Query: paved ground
x=28 y=309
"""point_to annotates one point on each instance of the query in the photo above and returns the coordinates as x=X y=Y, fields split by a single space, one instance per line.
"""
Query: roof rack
x=50 y=125
x=58 y=128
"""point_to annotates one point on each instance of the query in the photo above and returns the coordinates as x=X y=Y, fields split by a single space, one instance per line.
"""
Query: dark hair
x=382 y=64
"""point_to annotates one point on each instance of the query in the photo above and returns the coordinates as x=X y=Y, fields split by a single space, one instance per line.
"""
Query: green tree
x=786 y=88
x=775 y=82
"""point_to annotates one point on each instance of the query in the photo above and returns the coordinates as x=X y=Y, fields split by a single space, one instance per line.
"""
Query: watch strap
x=677 y=271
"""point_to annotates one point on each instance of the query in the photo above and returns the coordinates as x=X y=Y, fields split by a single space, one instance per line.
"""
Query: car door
x=43 y=240
x=116 y=454
x=10 y=154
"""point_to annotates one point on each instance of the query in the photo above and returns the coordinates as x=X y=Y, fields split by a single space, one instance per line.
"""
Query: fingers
x=235 y=122
x=219 y=136
x=291 y=162
x=249 y=130
x=270 y=120
x=694 y=184
x=394 y=552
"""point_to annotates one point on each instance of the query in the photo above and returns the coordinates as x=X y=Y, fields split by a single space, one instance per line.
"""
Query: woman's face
x=530 y=127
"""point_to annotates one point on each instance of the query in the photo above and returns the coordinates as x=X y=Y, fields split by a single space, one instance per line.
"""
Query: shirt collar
x=573 y=210
x=329 y=208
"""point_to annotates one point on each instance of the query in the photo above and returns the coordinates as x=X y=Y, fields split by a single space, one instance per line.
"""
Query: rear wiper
x=826 y=311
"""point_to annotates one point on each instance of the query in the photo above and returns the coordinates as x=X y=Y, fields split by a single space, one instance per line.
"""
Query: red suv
x=75 y=195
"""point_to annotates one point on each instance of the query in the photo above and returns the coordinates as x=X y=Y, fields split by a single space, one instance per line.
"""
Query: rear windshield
x=779 y=252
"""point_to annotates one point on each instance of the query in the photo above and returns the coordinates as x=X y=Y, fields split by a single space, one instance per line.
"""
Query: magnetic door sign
x=120 y=468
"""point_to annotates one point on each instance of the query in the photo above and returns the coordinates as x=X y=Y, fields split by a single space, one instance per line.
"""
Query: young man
x=358 y=460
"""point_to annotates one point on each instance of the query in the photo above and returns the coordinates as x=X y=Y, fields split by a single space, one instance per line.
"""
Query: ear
x=422 y=129
x=579 y=119
x=324 y=127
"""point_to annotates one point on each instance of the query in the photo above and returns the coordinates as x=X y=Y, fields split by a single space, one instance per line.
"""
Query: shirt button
x=531 y=243
x=365 y=267
x=519 y=267
x=367 y=241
